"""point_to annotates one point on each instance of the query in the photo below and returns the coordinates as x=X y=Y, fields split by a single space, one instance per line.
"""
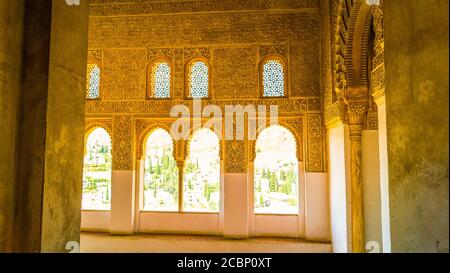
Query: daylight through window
x=93 y=88
x=198 y=80
x=160 y=80
x=202 y=173
x=273 y=78
x=161 y=173
x=276 y=172
x=97 y=171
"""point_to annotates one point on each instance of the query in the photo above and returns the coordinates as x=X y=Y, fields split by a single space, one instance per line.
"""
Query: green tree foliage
x=273 y=183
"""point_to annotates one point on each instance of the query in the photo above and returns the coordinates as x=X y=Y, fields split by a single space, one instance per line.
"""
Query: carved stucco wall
x=357 y=59
x=233 y=36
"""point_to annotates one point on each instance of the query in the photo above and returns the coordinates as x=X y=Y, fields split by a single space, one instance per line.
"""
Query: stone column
x=356 y=112
x=52 y=97
x=180 y=164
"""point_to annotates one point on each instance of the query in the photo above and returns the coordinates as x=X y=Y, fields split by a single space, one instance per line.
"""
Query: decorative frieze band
x=163 y=107
x=111 y=7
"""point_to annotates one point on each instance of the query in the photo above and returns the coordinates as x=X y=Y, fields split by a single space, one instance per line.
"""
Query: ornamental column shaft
x=180 y=164
x=356 y=112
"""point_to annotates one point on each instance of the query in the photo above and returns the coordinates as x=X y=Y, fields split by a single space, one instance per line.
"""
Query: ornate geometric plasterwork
x=90 y=124
x=315 y=142
x=167 y=53
x=281 y=50
x=372 y=120
x=176 y=58
x=122 y=143
x=356 y=113
x=235 y=156
x=293 y=124
x=273 y=77
x=358 y=44
x=144 y=127
x=114 y=7
x=233 y=43
x=351 y=21
x=304 y=73
x=378 y=73
x=124 y=74
x=341 y=14
x=190 y=30
x=234 y=74
x=334 y=114
x=235 y=152
x=94 y=74
x=199 y=52
x=158 y=108
x=95 y=57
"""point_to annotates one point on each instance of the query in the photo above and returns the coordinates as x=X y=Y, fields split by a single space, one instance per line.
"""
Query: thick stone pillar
x=52 y=97
x=61 y=203
x=48 y=189
x=416 y=62
x=356 y=113
x=11 y=37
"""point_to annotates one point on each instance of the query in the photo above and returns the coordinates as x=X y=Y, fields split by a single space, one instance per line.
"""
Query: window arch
x=276 y=172
x=97 y=169
x=160 y=173
x=160 y=79
x=93 y=83
x=198 y=79
x=273 y=76
x=201 y=190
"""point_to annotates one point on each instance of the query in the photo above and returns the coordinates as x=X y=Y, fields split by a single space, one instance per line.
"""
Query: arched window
x=201 y=191
x=161 y=173
x=97 y=171
x=93 y=83
x=276 y=172
x=273 y=78
x=160 y=80
x=198 y=84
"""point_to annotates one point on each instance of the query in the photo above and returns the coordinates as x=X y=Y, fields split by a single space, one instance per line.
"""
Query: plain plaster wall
x=338 y=146
x=372 y=187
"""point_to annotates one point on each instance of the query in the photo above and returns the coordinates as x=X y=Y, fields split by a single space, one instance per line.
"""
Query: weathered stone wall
x=32 y=126
x=43 y=52
x=416 y=60
x=11 y=37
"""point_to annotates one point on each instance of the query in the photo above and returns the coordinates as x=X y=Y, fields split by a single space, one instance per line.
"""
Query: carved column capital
x=379 y=97
x=334 y=114
x=180 y=164
x=356 y=112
